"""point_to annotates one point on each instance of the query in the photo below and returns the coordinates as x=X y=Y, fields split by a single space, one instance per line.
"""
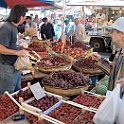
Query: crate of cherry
x=28 y=117
x=88 y=100
x=8 y=106
x=65 y=113
x=43 y=105
x=86 y=117
x=24 y=93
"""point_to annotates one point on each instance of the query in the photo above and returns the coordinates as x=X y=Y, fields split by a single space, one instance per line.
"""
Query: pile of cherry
x=7 y=107
x=66 y=80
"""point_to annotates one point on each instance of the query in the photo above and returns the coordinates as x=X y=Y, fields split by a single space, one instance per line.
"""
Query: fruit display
x=36 y=48
x=7 y=107
x=25 y=94
x=85 y=117
x=31 y=119
x=89 y=100
x=44 y=103
x=57 y=47
x=66 y=80
x=74 y=52
x=53 y=61
x=81 y=45
x=86 y=63
x=65 y=113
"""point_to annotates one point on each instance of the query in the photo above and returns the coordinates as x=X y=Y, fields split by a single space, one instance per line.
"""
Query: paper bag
x=22 y=63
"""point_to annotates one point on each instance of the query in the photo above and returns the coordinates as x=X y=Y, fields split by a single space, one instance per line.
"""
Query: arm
x=4 y=50
x=102 y=63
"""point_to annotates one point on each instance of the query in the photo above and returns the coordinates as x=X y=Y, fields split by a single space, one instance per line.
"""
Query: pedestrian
x=10 y=79
x=80 y=30
x=47 y=30
x=114 y=70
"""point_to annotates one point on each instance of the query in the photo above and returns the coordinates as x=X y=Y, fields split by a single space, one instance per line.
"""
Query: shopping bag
x=120 y=119
x=22 y=62
x=110 y=108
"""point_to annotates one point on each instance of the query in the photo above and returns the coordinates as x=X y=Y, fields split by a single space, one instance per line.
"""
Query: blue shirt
x=73 y=28
x=67 y=30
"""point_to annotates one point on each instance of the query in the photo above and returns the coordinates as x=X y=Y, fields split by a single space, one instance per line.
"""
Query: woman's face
x=117 y=37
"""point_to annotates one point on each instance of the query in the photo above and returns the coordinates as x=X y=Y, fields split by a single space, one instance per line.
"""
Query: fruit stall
x=60 y=96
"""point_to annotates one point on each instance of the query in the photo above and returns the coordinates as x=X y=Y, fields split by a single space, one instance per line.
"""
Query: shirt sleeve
x=105 y=66
x=5 y=36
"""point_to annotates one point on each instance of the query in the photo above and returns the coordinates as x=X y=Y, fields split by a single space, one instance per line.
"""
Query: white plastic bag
x=121 y=114
x=110 y=108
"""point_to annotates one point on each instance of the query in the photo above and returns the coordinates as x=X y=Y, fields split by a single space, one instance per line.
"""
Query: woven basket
x=87 y=71
x=55 y=69
x=68 y=92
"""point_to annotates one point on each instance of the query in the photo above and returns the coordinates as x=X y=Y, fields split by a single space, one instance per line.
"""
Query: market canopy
x=98 y=3
x=28 y=3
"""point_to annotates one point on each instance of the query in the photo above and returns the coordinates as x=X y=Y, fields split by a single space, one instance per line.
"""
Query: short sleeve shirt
x=8 y=38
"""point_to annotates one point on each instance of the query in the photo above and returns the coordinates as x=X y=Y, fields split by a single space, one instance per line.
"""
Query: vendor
x=115 y=69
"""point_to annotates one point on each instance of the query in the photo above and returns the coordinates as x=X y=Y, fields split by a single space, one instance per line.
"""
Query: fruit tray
x=24 y=93
x=86 y=117
x=30 y=118
x=8 y=106
x=88 y=100
x=39 y=106
x=66 y=112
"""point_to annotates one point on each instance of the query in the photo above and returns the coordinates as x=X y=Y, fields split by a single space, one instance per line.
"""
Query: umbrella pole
x=63 y=29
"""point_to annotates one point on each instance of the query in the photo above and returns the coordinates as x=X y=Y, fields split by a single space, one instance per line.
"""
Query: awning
x=3 y=4
x=28 y=3
x=98 y=3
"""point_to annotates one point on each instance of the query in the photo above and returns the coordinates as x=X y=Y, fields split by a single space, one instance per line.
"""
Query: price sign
x=37 y=91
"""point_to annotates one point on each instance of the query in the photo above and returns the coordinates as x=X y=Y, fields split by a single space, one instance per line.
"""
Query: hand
x=22 y=53
x=121 y=81
x=96 y=56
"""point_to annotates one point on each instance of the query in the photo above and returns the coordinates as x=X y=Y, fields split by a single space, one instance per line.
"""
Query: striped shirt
x=115 y=69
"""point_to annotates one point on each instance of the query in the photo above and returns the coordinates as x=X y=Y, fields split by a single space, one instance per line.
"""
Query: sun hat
x=66 y=20
x=118 y=25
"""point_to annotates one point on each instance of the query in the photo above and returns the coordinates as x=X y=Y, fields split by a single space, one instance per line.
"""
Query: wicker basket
x=87 y=71
x=55 y=69
x=68 y=92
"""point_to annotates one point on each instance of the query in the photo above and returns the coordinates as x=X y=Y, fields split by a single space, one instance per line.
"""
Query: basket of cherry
x=66 y=83
x=86 y=66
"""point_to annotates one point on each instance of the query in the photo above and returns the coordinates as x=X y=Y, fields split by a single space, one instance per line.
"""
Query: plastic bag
x=22 y=63
x=121 y=114
x=110 y=108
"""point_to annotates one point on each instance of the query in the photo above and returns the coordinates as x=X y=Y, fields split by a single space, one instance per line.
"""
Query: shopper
x=80 y=30
x=47 y=30
x=10 y=79
x=116 y=69
x=67 y=28
x=29 y=23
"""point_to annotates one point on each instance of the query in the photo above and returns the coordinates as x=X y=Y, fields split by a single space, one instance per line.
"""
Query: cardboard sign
x=37 y=91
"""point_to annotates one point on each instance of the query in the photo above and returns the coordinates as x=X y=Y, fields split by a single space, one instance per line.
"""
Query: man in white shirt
x=80 y=30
